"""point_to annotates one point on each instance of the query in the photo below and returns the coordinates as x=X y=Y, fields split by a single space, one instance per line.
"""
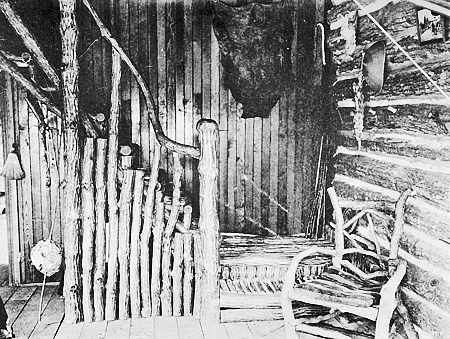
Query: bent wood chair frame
x=380 y=313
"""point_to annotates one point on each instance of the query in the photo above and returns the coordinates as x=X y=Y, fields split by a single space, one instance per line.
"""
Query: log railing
x=176 y=278
x=156 y=252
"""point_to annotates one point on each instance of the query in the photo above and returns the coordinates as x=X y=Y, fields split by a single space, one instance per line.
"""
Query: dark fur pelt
x=5 y=329
x=255 y=42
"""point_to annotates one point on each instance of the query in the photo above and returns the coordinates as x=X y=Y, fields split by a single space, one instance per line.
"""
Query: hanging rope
x=402 y=50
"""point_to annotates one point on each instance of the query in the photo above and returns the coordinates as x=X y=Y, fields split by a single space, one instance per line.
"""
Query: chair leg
x=289 y=320
x=385 y=311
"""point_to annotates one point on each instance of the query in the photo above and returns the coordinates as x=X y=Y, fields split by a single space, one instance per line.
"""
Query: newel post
x=209 y=221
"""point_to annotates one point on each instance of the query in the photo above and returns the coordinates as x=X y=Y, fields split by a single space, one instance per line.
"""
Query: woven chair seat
x=342 y=287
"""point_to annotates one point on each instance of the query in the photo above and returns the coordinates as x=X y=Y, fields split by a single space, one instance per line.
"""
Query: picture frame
x=430 y=26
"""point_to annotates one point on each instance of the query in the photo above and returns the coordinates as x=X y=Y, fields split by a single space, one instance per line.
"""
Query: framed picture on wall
x=430 y=26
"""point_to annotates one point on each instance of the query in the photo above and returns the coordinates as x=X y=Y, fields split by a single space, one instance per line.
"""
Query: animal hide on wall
x=255 y=42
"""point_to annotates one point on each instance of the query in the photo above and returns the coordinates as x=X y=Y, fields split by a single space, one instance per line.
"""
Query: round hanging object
x=46 y=256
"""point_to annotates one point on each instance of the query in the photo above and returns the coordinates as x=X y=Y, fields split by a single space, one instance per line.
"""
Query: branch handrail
x=160 y=136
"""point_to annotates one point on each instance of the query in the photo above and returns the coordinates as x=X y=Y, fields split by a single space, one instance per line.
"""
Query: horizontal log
x=423 y=118
x=428 y=260
x=251 y=314
x=430 y=286
x=251 y=301
x=426 y=315
x=419 y=213
x=399 y=173
x=400 y=143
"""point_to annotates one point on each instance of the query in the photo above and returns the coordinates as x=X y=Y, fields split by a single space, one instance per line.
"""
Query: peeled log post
x=113 y=211
x=135 y=287
x=88 y=219
x=100 y=236
x=158 y=231
x=146 y=233
x=177 y=274
x=209 y=221
x=188 y=274
x=72 y=276
x=126 y=197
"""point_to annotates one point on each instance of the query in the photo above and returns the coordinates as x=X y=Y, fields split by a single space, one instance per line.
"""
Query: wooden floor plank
x=189 y=328
x=277 y=330
x=260 y=329
x=69 y=331
x=50 y=320
x=27 y=320
x=142 y=328
x=238 y=331
x=96 y=330
x=166 y=327
x=118 y=329
x=18 y=301
x=216 y=331
x=7 y=292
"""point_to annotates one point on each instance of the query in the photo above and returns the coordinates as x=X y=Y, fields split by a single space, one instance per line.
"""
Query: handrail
x=154 y=119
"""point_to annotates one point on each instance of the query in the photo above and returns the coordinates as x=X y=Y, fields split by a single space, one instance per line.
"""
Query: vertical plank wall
x=267 y=166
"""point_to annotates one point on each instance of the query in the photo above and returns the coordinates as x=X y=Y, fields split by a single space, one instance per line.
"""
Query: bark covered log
x=135 y=270
x=72 y=275
x=113 y=211
x=126 y=201
x=209 y=222
x=398 y=173
x=425 y=216
x=188 y=277
x=100 y=236
x=146 y=233
x=166 y=293
x=400 y=143
x=89 y=228
x=158 y=231
x=177 y=274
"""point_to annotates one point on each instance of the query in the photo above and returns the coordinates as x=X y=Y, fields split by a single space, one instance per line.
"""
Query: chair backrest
x=341 y=228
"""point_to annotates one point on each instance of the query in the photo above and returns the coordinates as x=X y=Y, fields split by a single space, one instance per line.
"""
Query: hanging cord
x=322 y=31
x=402 y=50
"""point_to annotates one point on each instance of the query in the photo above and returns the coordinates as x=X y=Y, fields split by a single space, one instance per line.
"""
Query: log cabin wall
x=267 y=166
x=404 y=144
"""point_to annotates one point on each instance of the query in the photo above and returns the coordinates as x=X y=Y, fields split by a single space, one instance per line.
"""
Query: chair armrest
x=289 y=278
x=391 y=286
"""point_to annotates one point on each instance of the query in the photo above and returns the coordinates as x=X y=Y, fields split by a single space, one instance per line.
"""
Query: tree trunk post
x=113 y=210
x=209 y=221
x=100 y=236
x=89 y=228
x=135 y=270
x=126 y=203
x=72 y=275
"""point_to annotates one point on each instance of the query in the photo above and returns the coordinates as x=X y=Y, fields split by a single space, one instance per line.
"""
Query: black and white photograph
x=224 y=169
x=431 y=26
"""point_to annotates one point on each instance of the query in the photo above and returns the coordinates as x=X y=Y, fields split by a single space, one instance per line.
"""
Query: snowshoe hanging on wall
x=255 y=39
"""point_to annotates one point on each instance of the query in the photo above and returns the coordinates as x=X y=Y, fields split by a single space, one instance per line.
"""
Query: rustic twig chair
x=369 y=291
